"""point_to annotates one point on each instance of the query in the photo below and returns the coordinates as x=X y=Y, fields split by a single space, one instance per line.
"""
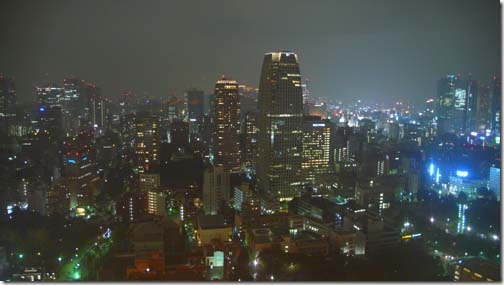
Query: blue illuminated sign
x=462 y=173
x=42 y=109
x=71 y=161
x=431 y=169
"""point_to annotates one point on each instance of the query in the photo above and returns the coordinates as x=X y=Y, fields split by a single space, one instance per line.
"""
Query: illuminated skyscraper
x=7 y=100
x=226 y=125
x=146 y=142
x=496 y=105
x=49 y=96
x=73 y=90
x=280 y=123
x=316 y=149
x=249 y=140
x=456 y=104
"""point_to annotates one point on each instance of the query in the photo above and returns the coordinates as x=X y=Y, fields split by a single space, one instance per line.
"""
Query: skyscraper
x=456 y=104
x=146 y=142
x=496 y=105
x=249 y=140
x=316 y=149
x=280 y=123
x=7 y=100
x=49 y=96
x=226 y=125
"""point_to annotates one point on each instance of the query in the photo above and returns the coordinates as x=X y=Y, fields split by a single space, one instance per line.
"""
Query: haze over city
x=250 y=140
x=384 y=50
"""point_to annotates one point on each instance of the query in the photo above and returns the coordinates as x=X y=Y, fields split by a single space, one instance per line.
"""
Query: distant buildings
x=280 y=124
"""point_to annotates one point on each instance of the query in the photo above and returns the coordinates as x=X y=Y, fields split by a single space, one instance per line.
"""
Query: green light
x=21 y=256
x=76 y=275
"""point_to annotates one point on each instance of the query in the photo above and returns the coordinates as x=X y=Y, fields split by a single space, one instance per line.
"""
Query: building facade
x=280 y=124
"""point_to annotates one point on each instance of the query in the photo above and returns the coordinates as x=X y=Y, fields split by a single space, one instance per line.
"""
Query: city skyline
x=250 y=141
x=396 y=53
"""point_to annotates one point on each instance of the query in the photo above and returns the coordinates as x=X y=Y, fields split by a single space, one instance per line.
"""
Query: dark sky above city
x=351 y=49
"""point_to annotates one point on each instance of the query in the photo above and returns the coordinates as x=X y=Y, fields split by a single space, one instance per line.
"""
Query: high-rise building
x=226 y=125
x=494 y=181
x=73 y=90
x=456 y=105
x=496 y=105
x=7 y=100
x=215 y=189
x=306 y=94
x=483 y=109
x=280 y=123
x=49 y=96
x=249 y=140
x=316 y=149
x=94 y=106
x=146 y=142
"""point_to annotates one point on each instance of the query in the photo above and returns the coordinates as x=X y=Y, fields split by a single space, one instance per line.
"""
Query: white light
x=495 y=237
x=272 y=278
x=468 y=229
x=256 y=262
x=432 y=219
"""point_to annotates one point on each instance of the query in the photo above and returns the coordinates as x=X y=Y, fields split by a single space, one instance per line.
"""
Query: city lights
x=164 y=143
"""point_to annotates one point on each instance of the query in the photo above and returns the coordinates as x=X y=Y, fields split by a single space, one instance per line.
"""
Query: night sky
x=386 y=49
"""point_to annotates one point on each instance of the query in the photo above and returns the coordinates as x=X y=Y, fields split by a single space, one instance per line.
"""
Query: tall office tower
x=73 y=90
x=94 y=106
x=306 y=93
x=79 y=169
x=483 y=109
x=7 y=101
x=469 y=122
x=316 y=149
x=456 y=104
x=496 y=105
x=215 y=189
x=195 y=104
x=50 y=96
x=146 y=142
x=226 y=125
x=280 y=123
x=249 y=140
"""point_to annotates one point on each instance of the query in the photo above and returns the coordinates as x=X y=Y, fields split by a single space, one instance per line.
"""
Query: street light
x=256 y=262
